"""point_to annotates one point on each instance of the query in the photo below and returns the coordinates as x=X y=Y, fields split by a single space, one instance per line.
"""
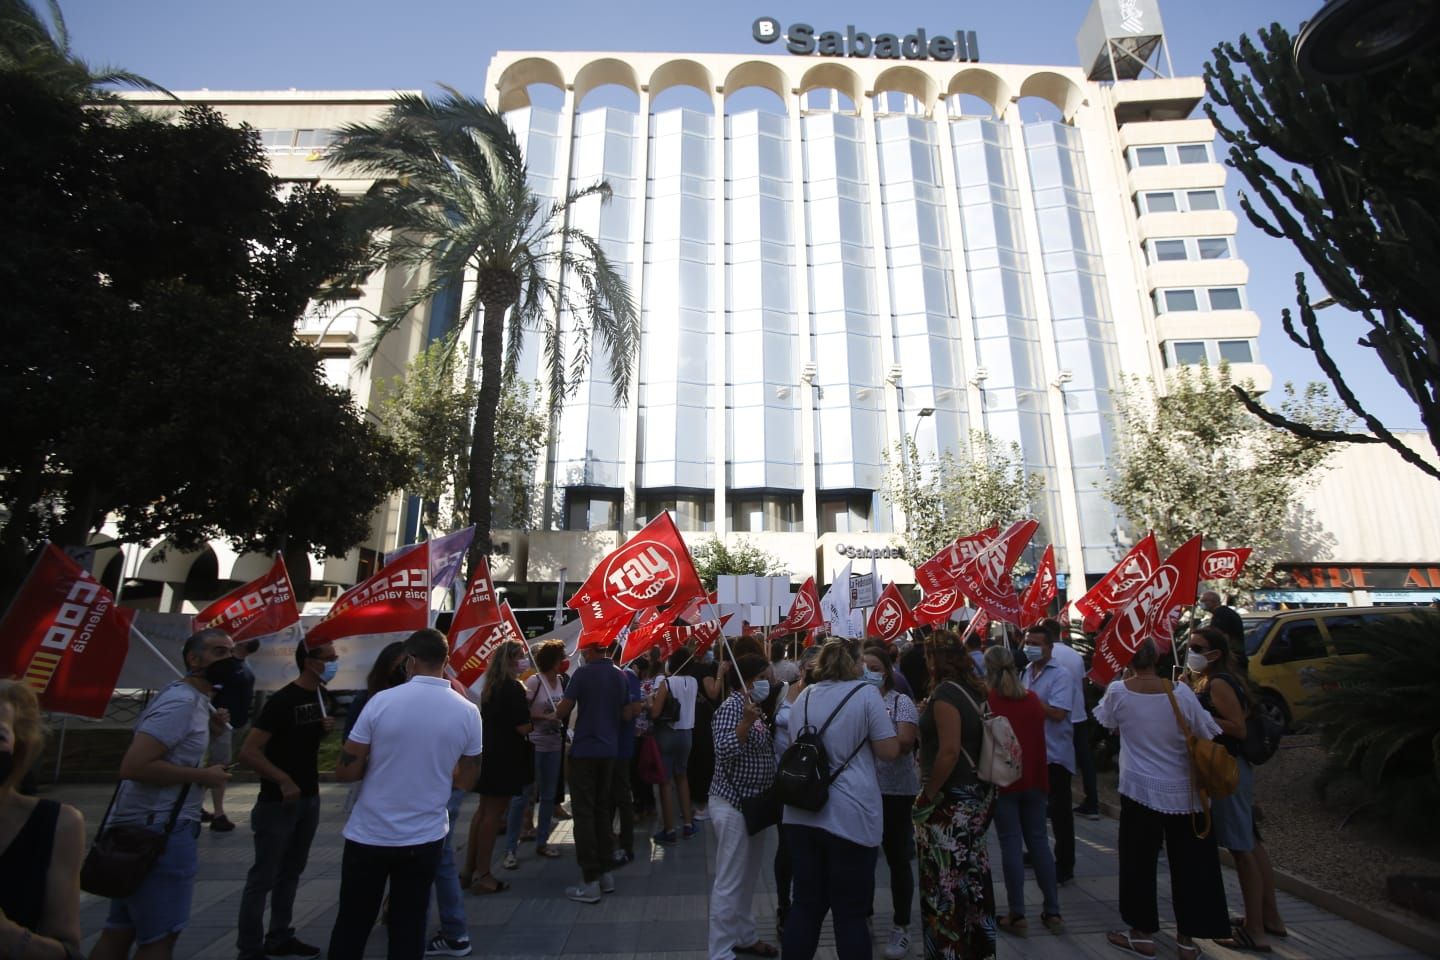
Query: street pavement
x=658 y=911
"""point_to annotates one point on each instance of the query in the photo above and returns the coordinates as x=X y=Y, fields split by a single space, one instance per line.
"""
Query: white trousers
x=737 y=863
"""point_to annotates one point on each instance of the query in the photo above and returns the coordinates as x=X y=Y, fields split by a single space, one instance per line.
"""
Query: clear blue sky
x=368 y=44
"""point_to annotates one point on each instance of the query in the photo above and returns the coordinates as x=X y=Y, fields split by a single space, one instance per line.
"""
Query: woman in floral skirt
x=953 y=811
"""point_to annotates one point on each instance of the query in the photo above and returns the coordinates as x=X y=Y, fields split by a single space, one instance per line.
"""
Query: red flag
x=1223 y=564
x=1041 y=590
x=891 y=616
x=394 y=600
x=64 y=638
x=1120 y=584
x=264 y=606
x=650 y=569
x=938 y=605
x=941 y=570
x=603 y=634
x=980 y=624
x=471 y=656
x=477 y=608
x=804 y=611
x=1150 y=613
x=703 y=634
x=986 y=577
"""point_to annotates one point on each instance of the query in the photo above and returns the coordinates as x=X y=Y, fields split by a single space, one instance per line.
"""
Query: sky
x=373 y=45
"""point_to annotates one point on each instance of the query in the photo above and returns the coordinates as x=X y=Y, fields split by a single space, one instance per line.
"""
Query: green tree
x=716 y=558
x=1348 y=171
x=951 y=496
x=153 y=278
x=455 y=202
x=1195 y=462
x=428 y=410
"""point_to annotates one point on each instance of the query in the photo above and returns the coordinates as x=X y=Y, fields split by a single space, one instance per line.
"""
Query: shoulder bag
x=670 y=712
x=122 y=856
x=1214 y=774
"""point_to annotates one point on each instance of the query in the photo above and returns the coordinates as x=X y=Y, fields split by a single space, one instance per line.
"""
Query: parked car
x=1289 y=651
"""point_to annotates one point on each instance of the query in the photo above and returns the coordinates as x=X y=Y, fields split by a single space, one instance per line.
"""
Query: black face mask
x=7 y=764
x=221 y=671
x=398 y=676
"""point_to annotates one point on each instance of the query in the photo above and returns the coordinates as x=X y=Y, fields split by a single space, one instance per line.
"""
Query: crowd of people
x=688 y=741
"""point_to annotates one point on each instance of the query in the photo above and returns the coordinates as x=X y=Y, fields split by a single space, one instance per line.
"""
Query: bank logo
x=765 y=30
x=1131 y=19
x=643 y=575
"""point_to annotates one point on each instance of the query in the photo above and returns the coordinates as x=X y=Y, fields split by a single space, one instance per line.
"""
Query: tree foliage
x=1195 y=462
x=455 y=202
x=1359 y=163
x=151 y=375
x=716 y=558
x=951 y=496
x=427 y=412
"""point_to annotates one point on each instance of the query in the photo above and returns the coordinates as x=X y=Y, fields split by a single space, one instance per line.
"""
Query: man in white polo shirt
x=411 y=745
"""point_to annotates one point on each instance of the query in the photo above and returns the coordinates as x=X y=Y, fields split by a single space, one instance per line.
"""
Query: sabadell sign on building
x=802 y=39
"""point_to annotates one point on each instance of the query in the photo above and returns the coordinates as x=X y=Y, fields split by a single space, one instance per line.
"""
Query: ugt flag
x=1223 y=564
x=1041 y=590
x=943 y=569
x=64 y=638
x=1120 y=584
x=263 y=610
x=891 y=616
x=986 y=577
x=1150 y=614
x=938 y=605
x=804 y=611
x=650 y=569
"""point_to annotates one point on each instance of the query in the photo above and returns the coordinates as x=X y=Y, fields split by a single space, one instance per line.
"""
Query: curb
x=1408 y=929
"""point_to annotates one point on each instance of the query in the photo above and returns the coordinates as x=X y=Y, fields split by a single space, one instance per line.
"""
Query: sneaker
x=510 y=862
x=701 y=814
x=291 y=947
x=689 y=830
x=899 y=945
x=222 y=824
x=607 y=883
x=443 y=946
x=584 y=892
x=666 y=837
x=622 y=857
x=1089 y=813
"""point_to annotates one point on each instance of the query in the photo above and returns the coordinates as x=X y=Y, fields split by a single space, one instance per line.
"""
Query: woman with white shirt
x=673 y=737
x=1157 y=801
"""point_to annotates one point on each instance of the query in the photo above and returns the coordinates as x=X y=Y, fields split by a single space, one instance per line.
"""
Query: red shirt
x=1027 y=718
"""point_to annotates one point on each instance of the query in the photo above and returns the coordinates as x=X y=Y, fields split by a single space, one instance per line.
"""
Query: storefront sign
x=1359 y=577
x=870 y=553
x=803 y=40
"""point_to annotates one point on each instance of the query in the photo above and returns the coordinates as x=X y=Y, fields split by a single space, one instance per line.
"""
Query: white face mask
x=1034 y=653
x=1197 y=661
x=759 y=690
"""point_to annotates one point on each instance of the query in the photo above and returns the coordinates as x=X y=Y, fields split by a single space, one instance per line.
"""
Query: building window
x=1169 y=155
x=845 y=514
x=767 y=513
x=1169 y=201
x=1203 y=200
x=1180 y=301
x=1189 y=351
x=692 y=511
x=1225 y=298
x=1150 y=157
x=1201 y=248
x=1236 y=351
x=1169 y=250
x=1193 y=152
x=592 y=509
x=1160 y=202
x=1214 y=248
x=1205 y=298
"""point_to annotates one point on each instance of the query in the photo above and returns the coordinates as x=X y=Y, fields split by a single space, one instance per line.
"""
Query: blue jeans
x=547 y=778
x=1020 y=817
x=162 y=904
x=449 y=900
x=283 y=832
x=835 y=876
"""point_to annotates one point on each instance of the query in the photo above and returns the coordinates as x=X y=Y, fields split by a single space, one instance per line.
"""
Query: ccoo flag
x=470 y=657
x=389 y=606
x=263 y=610
x=64 y=638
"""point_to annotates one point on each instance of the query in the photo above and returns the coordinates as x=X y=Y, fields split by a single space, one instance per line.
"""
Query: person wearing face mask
x=899 y=781
x=40 y=845
x=283 y=748
x=160 y=789
x=1056 y=688
x=1218 y=683
x=744 y=767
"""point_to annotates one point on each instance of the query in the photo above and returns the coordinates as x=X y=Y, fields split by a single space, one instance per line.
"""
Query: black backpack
x=1262 y=737
x=803 y=777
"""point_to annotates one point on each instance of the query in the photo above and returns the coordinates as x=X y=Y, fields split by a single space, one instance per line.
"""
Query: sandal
x=1121 y=940
x=500 y=886
x=1240 y=939
x=1053 y=922
x=1011 y=924
x=1282 y=933
x=511 y=862
x=1189 y=951
x=759 y=949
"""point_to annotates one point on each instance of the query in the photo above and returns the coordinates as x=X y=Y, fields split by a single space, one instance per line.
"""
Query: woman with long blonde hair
x=505 y=765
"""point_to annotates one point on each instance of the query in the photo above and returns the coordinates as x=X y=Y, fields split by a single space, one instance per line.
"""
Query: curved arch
x=520 y=75
x=757 y=73
x=1063 y=92
x=168 y=563
x=979 y=82
x=597 y=73
x=908 y=80
x=680 y=73
x=833 y=76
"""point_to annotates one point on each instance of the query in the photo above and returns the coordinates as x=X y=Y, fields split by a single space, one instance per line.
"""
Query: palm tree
x=30 y=45
x=455 y=200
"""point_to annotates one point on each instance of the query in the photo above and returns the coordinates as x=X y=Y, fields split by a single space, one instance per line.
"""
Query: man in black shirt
x=283 y=748
x=1224 y=619
x=236 y=696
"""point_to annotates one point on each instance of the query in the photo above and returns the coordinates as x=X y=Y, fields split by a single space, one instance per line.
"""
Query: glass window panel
x=1193 y=152
x=1225 y=298
x=1150 y=156
x=1169 y=249
x=1236 y=351
x=1189 y=351
x=848 y=165
x=1203 y=199
x=1177 y=301
x=1213 y=248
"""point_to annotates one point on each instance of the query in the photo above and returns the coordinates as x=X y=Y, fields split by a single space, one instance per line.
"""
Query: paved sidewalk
x=659 y=908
